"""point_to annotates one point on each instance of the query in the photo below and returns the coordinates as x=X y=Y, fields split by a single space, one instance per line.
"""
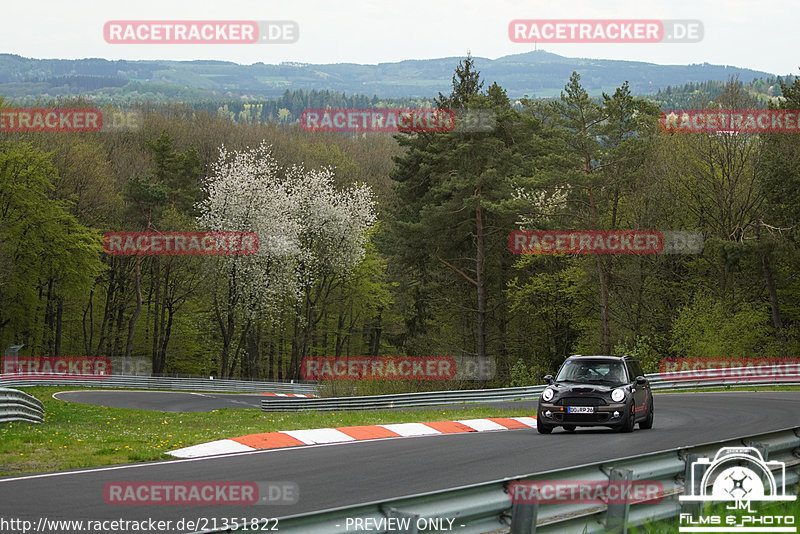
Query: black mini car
x=607 y=391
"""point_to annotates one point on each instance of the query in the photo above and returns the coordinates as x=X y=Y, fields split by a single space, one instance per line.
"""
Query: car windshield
x=592 y=371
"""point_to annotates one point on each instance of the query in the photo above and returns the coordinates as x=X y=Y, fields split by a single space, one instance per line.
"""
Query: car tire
x=569 y=428
x=648 y=423
x=630 y=420
x=543 y=428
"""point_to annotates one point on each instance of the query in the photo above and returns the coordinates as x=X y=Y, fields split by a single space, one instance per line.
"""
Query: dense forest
x=380 y=244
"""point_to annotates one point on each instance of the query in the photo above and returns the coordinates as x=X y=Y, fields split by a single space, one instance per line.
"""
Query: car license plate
x=580 y=409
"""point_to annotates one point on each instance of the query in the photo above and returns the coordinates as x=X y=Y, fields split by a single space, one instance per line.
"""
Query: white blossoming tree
x=311 y=235
x=332 y=244
x=540 y=206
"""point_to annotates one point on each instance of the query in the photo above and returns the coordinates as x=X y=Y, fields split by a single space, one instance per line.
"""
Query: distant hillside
x=696 y=95
x=536 y=74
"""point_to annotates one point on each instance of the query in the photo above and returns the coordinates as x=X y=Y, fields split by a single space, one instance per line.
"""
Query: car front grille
x=586 y=417
x=581 y=401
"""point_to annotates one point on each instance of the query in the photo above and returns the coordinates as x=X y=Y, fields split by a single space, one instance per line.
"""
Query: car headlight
x=548 y=394
x=618 y=395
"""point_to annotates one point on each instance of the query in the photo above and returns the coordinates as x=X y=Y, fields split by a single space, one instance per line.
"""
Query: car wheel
x=543 y=428
x=648 y=423
x=569 y=428
x=630 y=420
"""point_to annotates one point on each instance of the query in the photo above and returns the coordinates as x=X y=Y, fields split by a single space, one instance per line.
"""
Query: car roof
x=599 y=357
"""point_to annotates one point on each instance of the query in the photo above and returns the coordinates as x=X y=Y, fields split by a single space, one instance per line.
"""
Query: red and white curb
x=294 y=438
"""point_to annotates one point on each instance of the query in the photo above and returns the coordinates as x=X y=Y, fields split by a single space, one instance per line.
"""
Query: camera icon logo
x=737 y=474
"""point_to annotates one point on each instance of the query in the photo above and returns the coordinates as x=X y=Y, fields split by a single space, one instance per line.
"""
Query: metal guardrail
x=159 y=382
x=658 y=382
x=19 y=406
x=487 y=507
x=402 y=400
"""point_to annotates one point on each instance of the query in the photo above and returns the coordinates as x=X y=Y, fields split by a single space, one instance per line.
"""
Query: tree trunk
x=605 y=333
x=250 y=368
x=162 y=359
x=239 y=348
x=88 y=337
x=167 y=307
x=119 y=304
x=294 y=362
x=480 y=250
x=226 y=324
x=135 y=316
x=271 y=364
x=339 y=335
x=108 y=317
x=773 y=294
x=59 y=323
x=49 y=316
x=155 y=283
x=375 y=334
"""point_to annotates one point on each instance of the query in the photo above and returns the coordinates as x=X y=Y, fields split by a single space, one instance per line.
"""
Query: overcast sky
x=759 y=35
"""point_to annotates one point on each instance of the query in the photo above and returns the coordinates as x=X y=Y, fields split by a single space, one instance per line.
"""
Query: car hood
x=583 y=388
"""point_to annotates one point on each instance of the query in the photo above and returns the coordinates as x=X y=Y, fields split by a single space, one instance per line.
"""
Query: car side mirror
x=548 y=379
x=641 y=380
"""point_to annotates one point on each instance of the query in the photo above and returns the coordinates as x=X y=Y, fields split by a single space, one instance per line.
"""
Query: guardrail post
x=523 y=517
x=13 y=350
x=693 y=476
x=412 y=524
x=617 y=512
x=761 y=448
x=764 y=451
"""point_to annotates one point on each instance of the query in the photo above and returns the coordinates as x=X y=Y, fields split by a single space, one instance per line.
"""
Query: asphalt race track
x=165 y=401
x=343 y=474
